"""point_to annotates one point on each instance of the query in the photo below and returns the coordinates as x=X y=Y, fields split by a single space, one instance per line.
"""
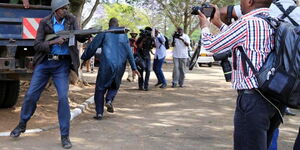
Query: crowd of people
x=255 y=119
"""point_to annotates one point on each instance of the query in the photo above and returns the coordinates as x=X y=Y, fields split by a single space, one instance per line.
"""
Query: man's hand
x=203 y=20
x=135 y=72
x=59 y=40
x=26 y=3
x=216 y=20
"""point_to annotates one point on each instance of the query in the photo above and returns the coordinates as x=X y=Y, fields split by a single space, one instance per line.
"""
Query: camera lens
x=226 y=66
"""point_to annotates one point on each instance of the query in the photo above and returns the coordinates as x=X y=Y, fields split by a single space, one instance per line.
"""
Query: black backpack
x=279 y=77
x=167 y=45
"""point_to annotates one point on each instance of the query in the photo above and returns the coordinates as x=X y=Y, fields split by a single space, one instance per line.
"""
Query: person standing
x=53 y=59
x=112 y=64
x=145 y=43
x=159 y=58
x=133 y=47
x=255 y=118
x=181 y=44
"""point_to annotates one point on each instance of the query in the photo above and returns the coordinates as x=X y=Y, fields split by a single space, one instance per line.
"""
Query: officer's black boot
x=65 y=142
x=18 y=130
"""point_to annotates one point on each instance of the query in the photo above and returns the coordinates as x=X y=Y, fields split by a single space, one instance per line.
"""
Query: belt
x=247 y=91
x=58 y=57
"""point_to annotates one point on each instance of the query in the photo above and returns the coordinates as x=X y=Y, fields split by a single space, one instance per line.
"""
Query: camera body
x=145 y=33
x=207 y=9
x=177 y=35
x=225 y=63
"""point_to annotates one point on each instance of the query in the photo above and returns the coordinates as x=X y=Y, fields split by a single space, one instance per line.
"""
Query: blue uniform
x=115 y=52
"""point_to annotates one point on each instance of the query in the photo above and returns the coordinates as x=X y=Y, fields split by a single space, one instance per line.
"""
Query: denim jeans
x=110 y=92
x=157 y=68
x=59 y=71
x=254 y=122
x=273 y=145
x=144 y=83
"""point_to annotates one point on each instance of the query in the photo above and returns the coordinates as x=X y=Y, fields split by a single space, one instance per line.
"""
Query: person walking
x=181 y=43
x=53 y=59
x=145 y=43
x=159 y=58
x=112 y=64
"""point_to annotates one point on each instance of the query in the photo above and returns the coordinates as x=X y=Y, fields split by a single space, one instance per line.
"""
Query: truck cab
x=18 y=28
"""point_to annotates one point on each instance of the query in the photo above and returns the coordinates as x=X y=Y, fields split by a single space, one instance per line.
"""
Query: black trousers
x=255 y=120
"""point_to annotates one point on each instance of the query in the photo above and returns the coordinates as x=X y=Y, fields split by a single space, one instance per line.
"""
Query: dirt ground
x=196 y=117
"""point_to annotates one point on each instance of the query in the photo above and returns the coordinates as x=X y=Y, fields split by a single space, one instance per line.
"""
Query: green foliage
x=128 y=16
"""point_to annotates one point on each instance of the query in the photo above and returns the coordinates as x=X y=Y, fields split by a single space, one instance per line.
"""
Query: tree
x=128 y=16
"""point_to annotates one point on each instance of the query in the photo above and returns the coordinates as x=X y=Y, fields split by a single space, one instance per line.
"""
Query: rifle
x=73 y=33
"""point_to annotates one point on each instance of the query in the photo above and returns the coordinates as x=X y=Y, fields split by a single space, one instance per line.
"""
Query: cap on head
x=56 y=4
x=148 y=28
x=133 y=34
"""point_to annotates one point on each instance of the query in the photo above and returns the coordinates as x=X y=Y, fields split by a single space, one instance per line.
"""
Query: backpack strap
x=229 y=14
x=245 y=59
x=287 y=12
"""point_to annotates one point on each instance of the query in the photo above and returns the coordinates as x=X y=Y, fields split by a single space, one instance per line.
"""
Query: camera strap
x=229 y=14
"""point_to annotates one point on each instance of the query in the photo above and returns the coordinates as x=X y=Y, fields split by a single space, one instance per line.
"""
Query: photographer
x=255 y=118
x=144 y=45
x=159 y=58
x=181 y=44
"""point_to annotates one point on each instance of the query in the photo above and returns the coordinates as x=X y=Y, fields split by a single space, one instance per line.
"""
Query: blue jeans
x=144 y=83
x=254 y=122
x=273 y=145
x=157 y=68
x=110 y=92
x=59 y=71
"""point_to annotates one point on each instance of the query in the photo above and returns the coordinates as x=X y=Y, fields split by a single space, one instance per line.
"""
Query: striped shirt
x=252 y=33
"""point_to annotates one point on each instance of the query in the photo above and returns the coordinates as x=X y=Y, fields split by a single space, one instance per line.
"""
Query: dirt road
x=196 y=117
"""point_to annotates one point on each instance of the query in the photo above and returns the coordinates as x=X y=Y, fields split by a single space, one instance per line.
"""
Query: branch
x=87 y=20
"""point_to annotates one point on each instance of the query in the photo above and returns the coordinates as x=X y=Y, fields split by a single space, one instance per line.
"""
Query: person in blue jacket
x=115 y=52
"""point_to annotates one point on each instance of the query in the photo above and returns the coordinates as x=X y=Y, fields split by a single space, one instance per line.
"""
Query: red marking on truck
x=30 y=26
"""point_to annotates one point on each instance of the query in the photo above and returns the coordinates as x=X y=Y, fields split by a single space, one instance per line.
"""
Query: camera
x=177 y=35
x=225 y=63
x=145 y=33
x=205 y=8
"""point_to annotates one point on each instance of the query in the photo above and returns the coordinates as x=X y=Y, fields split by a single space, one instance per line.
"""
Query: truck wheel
x=12 y=93
x=209 y=64
x=2 y=92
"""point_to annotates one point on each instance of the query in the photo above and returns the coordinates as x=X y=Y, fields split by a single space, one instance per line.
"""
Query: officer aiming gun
x=73 y=33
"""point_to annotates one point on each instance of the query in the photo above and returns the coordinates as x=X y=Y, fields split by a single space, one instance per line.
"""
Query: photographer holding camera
x=145 y=43
x=255 y=118
x=181 y=44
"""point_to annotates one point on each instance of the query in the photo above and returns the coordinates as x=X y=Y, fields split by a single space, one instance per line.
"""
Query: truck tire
x=12 y=93
x=2 y=92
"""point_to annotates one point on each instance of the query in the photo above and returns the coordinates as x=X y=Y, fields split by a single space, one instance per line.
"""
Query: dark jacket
x=114 y=55
x=43 y=48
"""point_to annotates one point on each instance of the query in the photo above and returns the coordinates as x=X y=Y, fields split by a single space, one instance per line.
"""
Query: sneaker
x=98 y=117
x=174 y=85
x=109 y=107
x=163 y=86
x=158 y=83
x=21 y=127
x=65 y=142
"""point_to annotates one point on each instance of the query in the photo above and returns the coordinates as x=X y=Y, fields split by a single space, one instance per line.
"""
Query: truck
x=18 y=28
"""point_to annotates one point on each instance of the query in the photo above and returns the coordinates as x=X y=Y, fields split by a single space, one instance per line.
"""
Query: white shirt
x=160 y=46
x=276 y=12
x=180 y=49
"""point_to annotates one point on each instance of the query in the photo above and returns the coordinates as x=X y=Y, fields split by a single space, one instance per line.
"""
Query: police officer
x=53 y=59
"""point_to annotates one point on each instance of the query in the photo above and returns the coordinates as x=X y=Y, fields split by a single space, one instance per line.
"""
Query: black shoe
x=98 y=117
x=158 y=83
x=18 y=130
x=65 y=142
x=140 y=88
x=163 y=86
x=109 y=107
x=146 y=89
x=181 y=86
x=174 y=85
x=288 y=112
